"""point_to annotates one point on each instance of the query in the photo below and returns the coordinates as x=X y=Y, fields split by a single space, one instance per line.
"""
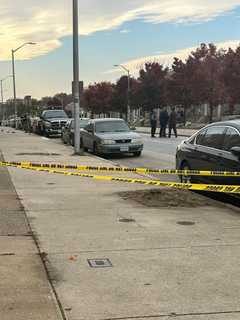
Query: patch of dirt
x=165 y=198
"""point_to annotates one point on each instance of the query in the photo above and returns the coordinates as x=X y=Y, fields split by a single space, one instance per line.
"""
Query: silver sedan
x=110 y=136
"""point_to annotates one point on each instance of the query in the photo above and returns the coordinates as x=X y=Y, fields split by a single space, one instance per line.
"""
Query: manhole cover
x=186 y=223
x=99 y=263
x=126 y=220
x=37 y=154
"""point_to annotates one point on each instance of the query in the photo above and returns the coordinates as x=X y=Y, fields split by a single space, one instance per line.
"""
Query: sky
x=127 y=32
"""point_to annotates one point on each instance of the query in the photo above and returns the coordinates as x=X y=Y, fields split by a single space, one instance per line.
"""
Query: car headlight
x=108 y=141
x=137 y=141
x=48 y=124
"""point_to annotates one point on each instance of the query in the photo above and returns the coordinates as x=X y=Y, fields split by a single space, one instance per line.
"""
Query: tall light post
x=76 y=93
x=128 y=91
x=2 y=100
x=14 y=77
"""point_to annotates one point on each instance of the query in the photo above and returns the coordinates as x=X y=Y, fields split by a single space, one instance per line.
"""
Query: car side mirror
x=235 y=151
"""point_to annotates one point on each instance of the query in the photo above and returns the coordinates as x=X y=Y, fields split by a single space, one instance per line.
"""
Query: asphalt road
x=157 y=153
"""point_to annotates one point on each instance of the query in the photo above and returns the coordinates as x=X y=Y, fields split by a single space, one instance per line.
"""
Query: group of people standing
x=165 y=120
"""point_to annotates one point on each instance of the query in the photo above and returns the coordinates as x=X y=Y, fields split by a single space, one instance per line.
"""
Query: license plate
x=124 y=149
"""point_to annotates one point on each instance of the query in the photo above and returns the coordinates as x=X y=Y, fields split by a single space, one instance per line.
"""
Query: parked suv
x=52 y=122
x=216 y=147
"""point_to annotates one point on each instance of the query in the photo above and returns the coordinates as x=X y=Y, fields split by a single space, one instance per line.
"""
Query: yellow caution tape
x=124 y=169
x=235 y=189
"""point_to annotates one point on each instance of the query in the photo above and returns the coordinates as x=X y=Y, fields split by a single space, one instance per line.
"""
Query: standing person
x=163 y=122
x=153 y=121
x=172 y=123
x=24 y=122
x=29 y=127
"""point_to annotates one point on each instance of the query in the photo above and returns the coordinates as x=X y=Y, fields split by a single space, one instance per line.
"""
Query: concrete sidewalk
x=25 y=291
x=181 y=132
x=159 y=268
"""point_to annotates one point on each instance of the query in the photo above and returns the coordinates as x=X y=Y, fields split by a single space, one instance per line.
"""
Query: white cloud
x=167 y=58
x=125 y=31
x=47 y=21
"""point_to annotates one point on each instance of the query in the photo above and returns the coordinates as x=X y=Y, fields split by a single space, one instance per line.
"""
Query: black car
x=216 y=147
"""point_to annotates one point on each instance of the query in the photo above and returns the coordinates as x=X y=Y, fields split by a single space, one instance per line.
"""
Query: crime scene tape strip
x=234 y=189
x=124 y=169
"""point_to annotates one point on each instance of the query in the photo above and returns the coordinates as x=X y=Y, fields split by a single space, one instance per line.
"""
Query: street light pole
x=76 y=96
x=2 y=100
x=14 y=78
x=14 y=89
x=128 y=91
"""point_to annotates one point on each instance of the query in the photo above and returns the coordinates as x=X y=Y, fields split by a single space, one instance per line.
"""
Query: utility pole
x=76 y=94
x=14 y=89
x=2 y=99
x=14 y=78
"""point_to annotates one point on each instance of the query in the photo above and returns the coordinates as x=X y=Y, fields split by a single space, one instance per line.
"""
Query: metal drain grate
x=186 y=223
x=99 y=263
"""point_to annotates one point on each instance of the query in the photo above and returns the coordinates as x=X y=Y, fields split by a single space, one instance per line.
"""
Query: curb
x=179 y=134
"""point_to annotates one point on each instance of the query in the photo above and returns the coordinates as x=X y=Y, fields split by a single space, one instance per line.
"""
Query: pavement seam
x=143 y=249
x=33 y=235
x=170 y=315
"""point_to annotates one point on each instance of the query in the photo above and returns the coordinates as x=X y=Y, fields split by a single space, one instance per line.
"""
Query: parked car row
x=50 y=123
x=101 y=136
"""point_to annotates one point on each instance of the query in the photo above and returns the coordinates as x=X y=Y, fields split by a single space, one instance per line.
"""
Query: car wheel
x=137 y=154
x=45 y=133
x=183 y=178
x=82 y=145
x=72 y=141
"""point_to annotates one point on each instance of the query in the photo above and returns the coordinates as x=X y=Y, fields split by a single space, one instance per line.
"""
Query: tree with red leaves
x=120 y=99
x=99 y=97
x=206 y=81
x=152 y=85
x=231 y=77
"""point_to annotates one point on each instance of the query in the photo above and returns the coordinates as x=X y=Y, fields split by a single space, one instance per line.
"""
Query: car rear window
x=231 y=139
x=82 y=123
x=214 y=137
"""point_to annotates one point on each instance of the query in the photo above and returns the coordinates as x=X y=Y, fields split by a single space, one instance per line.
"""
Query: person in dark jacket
x=153 y=122
x=163 y=122
x=172 y=123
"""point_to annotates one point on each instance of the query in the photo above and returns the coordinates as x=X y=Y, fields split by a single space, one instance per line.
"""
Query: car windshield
x=82 y=123
x=111 y=126
x=55 y=114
